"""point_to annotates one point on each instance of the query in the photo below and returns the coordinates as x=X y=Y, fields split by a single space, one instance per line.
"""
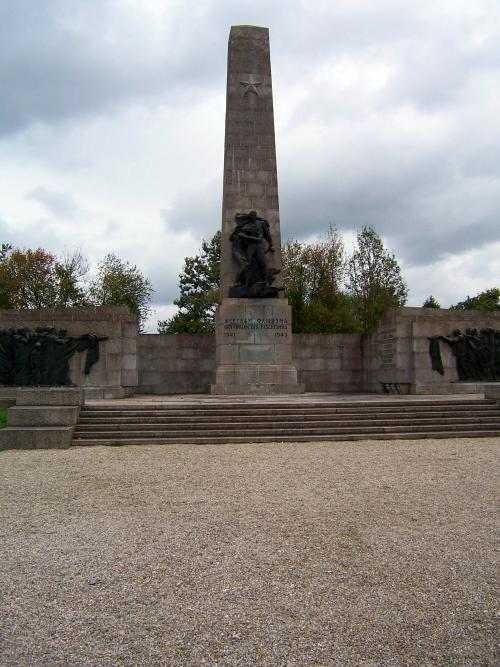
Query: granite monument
x=253 y=325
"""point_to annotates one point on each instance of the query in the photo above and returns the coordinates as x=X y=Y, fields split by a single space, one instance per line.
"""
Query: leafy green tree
x=199 y=292
x=118 y=283
x=374 y=279
x=430 y=302
x=487 y=300
x=295 y=281
x=313 y=275
x=5 y=295
x=70 y=273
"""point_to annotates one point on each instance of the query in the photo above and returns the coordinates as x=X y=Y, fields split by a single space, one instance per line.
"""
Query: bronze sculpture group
x=251 y=242
x=41 y=357
x=477 y=354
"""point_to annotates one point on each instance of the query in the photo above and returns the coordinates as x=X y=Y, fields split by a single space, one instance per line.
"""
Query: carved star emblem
x=251 y=86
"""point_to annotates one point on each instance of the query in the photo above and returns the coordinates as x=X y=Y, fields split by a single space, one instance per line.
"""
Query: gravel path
x=365 y=553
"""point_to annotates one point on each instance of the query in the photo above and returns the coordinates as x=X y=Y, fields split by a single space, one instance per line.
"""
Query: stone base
x=92 y=393
x=44 y=396
x=256 y=379
x=492 y=390
x=36 y=437
x=263 y=389
x=33 y=415
x=254 y=348
x=43 y=418
x=450 y=388
x=7 y=396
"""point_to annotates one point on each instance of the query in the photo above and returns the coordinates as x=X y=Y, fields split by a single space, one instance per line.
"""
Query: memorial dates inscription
x=276 y=325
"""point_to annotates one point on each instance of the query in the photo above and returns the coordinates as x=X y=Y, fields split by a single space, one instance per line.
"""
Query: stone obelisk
x=253 y=325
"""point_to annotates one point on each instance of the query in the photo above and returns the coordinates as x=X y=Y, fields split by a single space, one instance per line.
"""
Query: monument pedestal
x=254 y=348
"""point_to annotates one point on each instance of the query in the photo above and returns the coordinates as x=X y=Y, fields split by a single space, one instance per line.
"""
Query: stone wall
x=176 y=363
x=328 y=362
x=393 y=358
x=396 y=355
x=115 y=373
x=185 y=363
x=398 y=352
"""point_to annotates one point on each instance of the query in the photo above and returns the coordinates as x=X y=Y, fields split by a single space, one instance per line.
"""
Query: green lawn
x=3 y=417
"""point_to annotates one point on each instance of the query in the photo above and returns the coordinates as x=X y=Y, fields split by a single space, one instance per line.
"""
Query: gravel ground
x=367 y=553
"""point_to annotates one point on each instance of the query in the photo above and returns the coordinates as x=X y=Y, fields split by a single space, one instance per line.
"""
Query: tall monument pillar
x=253 y=324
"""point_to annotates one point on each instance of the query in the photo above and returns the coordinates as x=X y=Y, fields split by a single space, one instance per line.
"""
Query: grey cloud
x=433 y=64
x=165 y=279
x=421 y=212
x=198 y=209
x=164 y=292
x=112 y=227
x=60 y=204
x=437 y=71
x=40 y=234
x=351 y=194
x=59 y=60
x=430 y=242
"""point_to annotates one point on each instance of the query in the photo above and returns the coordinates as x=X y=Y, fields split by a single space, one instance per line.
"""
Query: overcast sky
x=387 y=113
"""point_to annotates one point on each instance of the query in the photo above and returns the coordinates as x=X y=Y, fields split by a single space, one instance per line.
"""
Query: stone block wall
x=176 y=363
x=398 y=351
x=185 y=363
x=115 y=374
x=328 y=362
x=387 y=356
x=396 y=354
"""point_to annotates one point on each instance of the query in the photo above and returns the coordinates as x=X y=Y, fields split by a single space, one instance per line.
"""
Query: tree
x=118 y=283
x=5 y=295
x=5 y=248
x=430 y=302
x=37 y=279
x=313 y=274
x=199 y=292
x=295 y=281
x=27 y=279
x=487 y=300
x=374 y=279
x=70 y=273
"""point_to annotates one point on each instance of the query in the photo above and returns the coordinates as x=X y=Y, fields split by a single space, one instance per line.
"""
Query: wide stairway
x=210 y=422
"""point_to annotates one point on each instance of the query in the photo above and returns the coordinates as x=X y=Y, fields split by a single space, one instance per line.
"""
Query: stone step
x=207 y=440
x=249 y=425
x=298 y=411
x=264 y=407
x=281 y=421
x=166 y=418
x=277 y=432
